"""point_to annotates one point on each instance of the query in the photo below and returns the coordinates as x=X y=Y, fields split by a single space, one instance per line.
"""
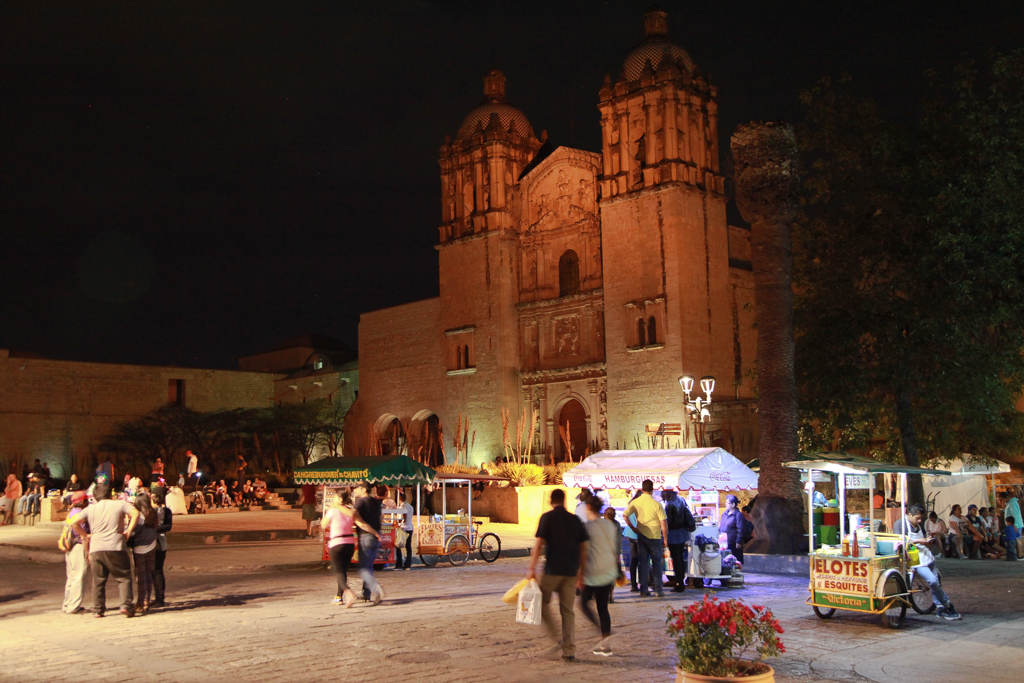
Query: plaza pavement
x=448 y=624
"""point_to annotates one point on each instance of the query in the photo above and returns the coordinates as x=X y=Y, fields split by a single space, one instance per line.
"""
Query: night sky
x=187 y=183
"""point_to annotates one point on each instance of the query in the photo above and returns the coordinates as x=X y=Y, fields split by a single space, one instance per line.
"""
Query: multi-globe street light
x=697 y=407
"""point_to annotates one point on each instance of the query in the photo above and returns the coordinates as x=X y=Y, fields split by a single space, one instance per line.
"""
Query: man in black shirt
x=565 y=539
x=368 y=508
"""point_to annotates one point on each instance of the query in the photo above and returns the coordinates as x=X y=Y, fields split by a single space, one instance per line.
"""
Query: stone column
x=767 y=184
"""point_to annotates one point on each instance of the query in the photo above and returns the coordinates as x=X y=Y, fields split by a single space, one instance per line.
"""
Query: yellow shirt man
x=650 y=516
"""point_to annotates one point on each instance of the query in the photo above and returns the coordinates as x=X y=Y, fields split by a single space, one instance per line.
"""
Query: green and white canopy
x=396 y=470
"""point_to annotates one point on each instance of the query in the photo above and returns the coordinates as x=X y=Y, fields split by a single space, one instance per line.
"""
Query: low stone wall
x=776 y=564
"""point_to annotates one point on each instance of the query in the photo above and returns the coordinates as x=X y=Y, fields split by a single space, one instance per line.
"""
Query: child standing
x=1011 y=534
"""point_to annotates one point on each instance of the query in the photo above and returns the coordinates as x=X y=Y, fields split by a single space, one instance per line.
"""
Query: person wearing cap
x=74 y=557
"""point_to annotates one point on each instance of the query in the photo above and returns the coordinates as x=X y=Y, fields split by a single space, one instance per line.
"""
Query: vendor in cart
x=913 y=526
x=731 y=525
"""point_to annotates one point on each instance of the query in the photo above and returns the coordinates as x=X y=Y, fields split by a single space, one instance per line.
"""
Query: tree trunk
x=908 y=438
x=766 y=194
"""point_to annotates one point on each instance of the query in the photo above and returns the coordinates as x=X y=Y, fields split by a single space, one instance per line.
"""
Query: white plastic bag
x=528 y=608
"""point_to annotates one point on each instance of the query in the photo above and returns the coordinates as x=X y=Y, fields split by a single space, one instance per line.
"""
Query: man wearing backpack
x=680 y=523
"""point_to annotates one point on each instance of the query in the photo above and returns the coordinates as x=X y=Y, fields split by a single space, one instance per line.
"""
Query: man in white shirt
x=406 y=510
x=926 y=562
x=193 y=468
x=106 y=548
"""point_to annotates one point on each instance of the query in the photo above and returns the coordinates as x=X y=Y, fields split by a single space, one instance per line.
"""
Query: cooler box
x=829 y=535
x=830 y=516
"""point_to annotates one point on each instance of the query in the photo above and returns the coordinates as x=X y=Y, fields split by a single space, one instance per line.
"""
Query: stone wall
x=58 y=411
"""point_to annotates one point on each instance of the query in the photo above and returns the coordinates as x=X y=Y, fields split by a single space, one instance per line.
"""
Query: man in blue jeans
x=369 y=508
x=651 y=531
x=914 y=525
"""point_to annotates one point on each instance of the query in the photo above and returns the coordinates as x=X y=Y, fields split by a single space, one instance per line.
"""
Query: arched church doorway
x=392 y=439
x=572 y=420
x=428 y=448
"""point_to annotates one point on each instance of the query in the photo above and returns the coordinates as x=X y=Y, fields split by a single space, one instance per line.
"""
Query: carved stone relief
x=567 y=336
x=602 y=415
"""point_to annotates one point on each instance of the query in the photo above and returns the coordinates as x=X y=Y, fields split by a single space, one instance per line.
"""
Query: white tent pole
x=444 y=501
x=842 y=506
x=903 y=510
x=810 y=512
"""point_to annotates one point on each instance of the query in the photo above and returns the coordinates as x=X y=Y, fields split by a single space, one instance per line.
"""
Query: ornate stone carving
x=567 y=336
x=602 y=415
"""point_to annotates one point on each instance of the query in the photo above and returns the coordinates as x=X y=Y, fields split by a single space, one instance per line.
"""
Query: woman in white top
x=956 y=530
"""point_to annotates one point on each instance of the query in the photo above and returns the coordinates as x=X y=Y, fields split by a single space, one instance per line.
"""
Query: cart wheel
x=458 y=550
x=824 y=612
x=921 y=595
x=429 y=560
x=490 y=547
x=894 y=616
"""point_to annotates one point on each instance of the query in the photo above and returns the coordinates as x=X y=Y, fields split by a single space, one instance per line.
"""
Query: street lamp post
x=697 y=407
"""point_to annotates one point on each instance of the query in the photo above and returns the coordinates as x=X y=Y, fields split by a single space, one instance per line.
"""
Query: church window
x=458 y=357
x=569 y=274
x=652 y=331
x=465 y=355
x=640 y=330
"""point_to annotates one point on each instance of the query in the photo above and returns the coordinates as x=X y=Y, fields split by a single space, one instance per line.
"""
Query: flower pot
x=749 y=672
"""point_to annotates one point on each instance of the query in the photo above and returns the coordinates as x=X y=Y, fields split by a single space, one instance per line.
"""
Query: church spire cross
x=655 y=22
x=494 y=86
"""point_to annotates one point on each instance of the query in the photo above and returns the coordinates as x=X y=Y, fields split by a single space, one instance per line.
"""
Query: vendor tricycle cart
x=875 y=574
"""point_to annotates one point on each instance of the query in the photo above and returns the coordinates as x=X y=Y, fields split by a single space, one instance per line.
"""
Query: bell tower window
x=652 y=331
x=569 y=274
x=641 y=332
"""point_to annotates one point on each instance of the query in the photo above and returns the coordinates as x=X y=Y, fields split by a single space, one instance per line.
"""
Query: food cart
x=331 y=475
x=456 y=536
x=875 y=574
x=696 y=471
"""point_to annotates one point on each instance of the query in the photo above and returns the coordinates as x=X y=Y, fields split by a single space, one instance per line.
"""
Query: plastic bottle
x=846 y=546
x=855 y=547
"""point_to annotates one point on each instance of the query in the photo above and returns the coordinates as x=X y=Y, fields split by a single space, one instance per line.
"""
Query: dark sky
x=186 y=183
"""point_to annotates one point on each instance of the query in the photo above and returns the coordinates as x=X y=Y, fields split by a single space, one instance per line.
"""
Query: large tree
x=767 y=191
x=909 y=269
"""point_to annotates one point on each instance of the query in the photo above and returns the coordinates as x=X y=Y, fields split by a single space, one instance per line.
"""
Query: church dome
x=494 y=103
x=657 y=47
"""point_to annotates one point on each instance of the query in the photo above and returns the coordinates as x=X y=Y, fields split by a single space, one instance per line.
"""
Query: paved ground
x=448 y=624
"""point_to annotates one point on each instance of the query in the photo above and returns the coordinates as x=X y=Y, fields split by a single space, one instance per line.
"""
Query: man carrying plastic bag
x=562 y=535
x=529 y=607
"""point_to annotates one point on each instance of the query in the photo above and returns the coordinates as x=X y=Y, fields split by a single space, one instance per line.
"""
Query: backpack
x=688 y=521
x=679 y=517
x=67 y=538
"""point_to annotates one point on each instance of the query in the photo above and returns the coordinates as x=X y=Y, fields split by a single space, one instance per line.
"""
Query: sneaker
x=98 y=615
x=336 y=600
x=634 y=589
x=947 y=613
x=157 y=603
x=603 y=650
x=661 y=595
x=77 y=610
x=127 y=611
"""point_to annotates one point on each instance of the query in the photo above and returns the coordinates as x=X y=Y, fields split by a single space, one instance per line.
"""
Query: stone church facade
x=573 y=283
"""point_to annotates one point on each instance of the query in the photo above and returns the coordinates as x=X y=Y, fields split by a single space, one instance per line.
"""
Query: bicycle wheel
x=824 y=612
x=921 y=595
x=490 y=547
x=458 y=550
x=897 y=612
x=429 y=560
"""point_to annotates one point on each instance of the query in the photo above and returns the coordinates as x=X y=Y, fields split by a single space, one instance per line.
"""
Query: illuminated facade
x=573 y=283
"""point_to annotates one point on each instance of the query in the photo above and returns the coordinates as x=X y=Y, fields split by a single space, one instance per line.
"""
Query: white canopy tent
x=700 y=469
x=965 y=485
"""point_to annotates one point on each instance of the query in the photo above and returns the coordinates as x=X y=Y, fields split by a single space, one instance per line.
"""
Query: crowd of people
x=979 y=533
x=583 y=555
x=119 y=535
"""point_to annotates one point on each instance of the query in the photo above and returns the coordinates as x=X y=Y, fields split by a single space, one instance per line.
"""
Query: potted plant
x=715 y=640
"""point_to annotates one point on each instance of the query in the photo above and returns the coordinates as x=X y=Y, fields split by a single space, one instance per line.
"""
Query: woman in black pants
x=163 y=525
